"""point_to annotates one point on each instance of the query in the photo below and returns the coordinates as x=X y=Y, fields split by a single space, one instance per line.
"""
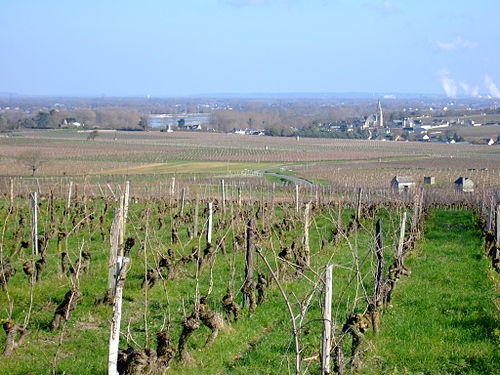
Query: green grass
x=443 y=320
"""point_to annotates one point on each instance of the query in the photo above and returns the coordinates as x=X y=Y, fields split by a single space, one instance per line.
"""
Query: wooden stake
x=114 y=337
x=195 y=221
x=297 y=199
x=34 y=221
x=209 y=226
x=223 y=195
x=358 y=206
x=172 y=187
x=307 y=250
x=11 y=193
x=490 y=218
x=70 y=193
x=399 y=253
x=497 y=227
x=326 y=342
x=114 y=240
x=379 y=252
x=183 y=199
x=249 y=258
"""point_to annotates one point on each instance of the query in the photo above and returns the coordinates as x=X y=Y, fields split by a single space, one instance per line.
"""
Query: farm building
x=402 y=184
x=429 y=180
x=464 y=185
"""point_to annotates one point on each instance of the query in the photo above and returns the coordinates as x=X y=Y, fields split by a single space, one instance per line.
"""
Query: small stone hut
x=430 y=180
x=400 y=184
x=464 y=185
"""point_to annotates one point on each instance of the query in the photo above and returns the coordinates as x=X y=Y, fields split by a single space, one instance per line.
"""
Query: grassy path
x=443 y=320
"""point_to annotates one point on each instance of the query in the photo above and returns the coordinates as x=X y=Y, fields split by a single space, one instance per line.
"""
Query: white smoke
x=492 y=88
x=449 y=86
x=469 y=90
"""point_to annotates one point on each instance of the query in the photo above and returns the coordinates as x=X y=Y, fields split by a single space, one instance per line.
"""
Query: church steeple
x=380 y=115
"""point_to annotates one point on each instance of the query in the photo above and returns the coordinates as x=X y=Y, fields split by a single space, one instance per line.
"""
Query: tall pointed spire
x=380 y=115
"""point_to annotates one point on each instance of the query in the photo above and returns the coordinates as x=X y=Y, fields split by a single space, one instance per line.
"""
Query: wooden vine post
x=223 y=195
x=114 y=337
x=490 y=218
x=399 y=253
x=358 y=205
x=195 y=219
x=114 y=239
x=307 y=251
x=34 y=221
x=248 y=260
x=70 y=193
x=210 y=223
x=379 y=276
x=497 y=227
x=326 y=343
x=172 y=187
x=297 y=199
x=11 y=206
x=183 y=200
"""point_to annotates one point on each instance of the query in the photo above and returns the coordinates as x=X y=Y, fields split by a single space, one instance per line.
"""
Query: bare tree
x=92 y=135
x=33 y=159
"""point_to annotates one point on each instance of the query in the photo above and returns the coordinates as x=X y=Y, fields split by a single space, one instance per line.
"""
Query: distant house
x=400 y=184
x=489 y=141
x=429 y=180
x=464 y=185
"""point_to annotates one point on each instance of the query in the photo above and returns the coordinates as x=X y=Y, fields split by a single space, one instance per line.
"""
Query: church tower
x=380 y=115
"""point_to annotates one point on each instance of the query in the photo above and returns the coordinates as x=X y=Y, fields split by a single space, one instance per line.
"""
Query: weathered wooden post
x=307 y=251
x=399 y=253
x=70 y=193
x=172 y=187
x=183 y=199
x=114 y=240
x=358 y=206
x=379 y=276
x=209 y=225
x=490 y=218
x=223 y=195
x=297 y=199
x=11 y=193
x=497 y=227
x=248 y=260
x=239 y=196
x=126 y=197
x=34 y=221
x=195 y=219
x=326 y=342
x=114 y=337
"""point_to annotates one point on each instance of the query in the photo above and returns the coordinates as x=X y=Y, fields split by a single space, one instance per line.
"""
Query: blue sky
x=171 y=48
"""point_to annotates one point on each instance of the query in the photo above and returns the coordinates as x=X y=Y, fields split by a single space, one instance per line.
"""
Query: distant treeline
x=274 y=116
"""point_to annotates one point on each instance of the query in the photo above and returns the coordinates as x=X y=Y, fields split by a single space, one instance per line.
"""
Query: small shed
x=430 y=180
x=401 y=184
x=464 y=185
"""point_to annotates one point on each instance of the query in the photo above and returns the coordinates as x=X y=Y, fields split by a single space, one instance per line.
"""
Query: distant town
x=474 y=120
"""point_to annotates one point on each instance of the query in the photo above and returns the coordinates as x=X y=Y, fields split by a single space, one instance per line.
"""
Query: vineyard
x=222 y=271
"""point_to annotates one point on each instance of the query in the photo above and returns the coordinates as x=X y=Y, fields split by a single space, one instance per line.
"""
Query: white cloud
x=491 y=86
x=457 y=43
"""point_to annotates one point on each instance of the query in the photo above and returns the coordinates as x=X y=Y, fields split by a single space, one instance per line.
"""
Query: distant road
x=296 y=180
